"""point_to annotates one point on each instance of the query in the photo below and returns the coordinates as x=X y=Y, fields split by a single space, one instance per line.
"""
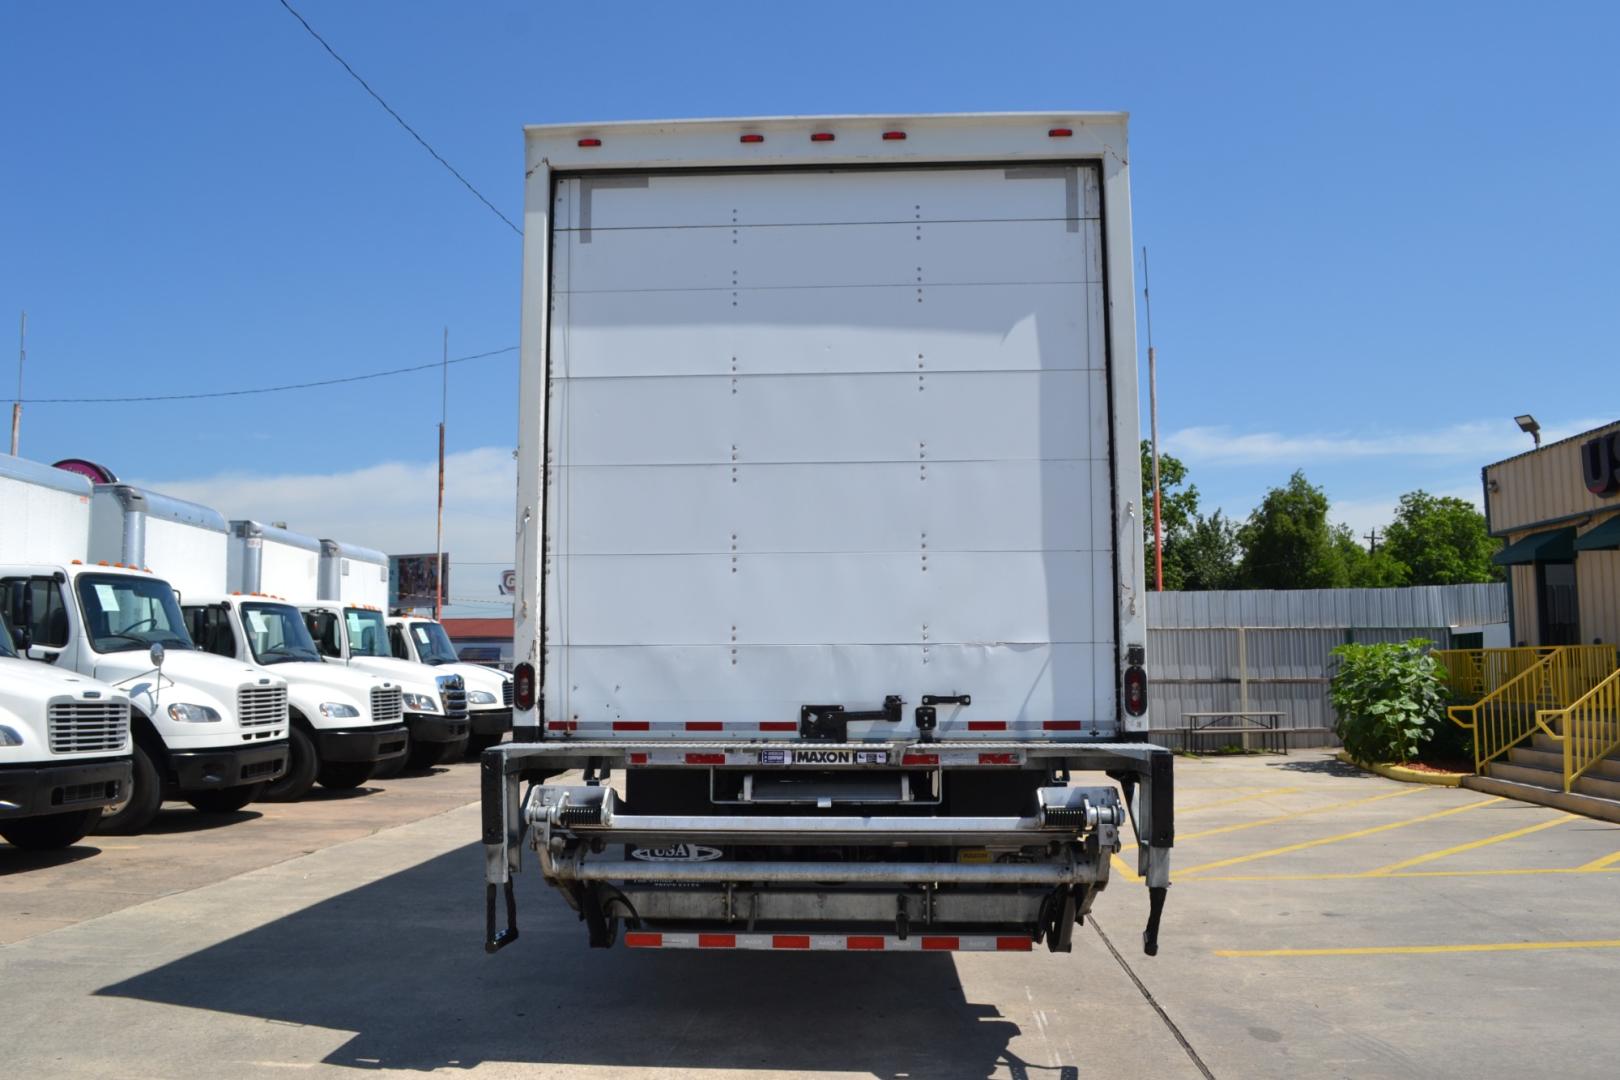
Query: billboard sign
x=412 y=580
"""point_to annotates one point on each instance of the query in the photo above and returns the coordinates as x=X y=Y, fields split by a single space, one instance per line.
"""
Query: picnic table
x=1266 y=722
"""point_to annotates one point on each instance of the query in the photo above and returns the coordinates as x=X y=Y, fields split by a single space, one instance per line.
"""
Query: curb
x=1409 y=776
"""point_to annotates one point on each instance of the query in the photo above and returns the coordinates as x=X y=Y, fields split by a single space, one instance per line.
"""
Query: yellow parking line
x=1364 y=875
x=1470 y=846
x=1419 y=950
x=1601 y=864
x=1123 y=868
x=1240 y=798
x=1413 y=790
x=1320 y=841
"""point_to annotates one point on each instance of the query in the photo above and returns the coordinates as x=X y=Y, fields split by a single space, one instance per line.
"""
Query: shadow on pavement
x=400 y=963
x=325 y=794
x=15 y=860
x=172 y=820
x=1323 y=766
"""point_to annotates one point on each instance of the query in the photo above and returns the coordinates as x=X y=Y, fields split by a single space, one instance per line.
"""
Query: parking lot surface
x=1325 y=923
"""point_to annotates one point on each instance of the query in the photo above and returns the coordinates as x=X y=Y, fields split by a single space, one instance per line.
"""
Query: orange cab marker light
x=76 y=562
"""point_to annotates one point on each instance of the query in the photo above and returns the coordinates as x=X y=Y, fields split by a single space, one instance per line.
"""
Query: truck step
x=652 y=939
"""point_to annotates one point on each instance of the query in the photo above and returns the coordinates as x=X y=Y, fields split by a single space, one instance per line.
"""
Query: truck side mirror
x=22 y=639
x=156 y=655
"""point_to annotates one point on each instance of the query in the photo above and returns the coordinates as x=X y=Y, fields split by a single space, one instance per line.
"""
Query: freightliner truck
x=828 y=536
x=64 y=750
x=345 y=724
x=206 y=730
x=489 y=693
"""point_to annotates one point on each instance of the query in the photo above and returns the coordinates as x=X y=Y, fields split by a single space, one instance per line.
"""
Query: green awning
x=1606 y=537
x=1555 y=546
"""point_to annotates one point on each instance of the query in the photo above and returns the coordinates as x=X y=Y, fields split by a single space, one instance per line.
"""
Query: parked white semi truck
x=206 y=730
x=345 y=724
x=64 y=750
x=348 y=625
x=829 y=535
x=489 y=693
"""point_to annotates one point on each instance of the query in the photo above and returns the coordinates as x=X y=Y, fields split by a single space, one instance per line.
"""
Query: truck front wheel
x=141 y=802
x=52 y=832
x=302 y=766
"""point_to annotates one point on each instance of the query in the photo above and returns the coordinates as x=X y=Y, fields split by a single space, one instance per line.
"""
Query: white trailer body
x=183 y=541
x=46 y=510
x=350 y=574
x=828 y=485
x=268 y=559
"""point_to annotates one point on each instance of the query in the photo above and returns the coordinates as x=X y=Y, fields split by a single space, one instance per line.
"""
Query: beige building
x=1558 y=510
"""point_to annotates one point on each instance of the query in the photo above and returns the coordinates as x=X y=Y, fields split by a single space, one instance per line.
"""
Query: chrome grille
x=387 y=705
x=78 y=727
x=257 y=706
x=453 y=693
x=506 y=693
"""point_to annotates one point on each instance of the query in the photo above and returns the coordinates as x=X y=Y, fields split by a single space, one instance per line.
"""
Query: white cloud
x=1364 y=515
x=1478 y=441
x=389 y=506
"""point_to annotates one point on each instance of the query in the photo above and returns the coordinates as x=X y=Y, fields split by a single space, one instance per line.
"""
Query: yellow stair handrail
x=1511 y=713
x=1588 y=728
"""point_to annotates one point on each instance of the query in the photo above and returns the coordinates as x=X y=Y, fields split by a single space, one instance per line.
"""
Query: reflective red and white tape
x=645 y=939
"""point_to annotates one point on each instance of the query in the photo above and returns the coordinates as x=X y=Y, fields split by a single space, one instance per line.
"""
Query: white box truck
x=206 y=730
x=64 y=750
x=350 y=574
x=345 y=724
x=489 y=693
x=829 y=541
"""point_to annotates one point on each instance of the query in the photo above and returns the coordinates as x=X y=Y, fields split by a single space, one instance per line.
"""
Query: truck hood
x=340 y=677
x=476 y=676
x=411 y=677
x=32 y=679
x=197 y=676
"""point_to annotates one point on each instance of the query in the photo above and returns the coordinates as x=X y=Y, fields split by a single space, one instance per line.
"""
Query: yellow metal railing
x=1473 y=673
x=1589 y=728
x=1511 y=713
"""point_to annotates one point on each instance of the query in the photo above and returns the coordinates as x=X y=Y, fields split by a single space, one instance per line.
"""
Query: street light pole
x=438 y=532
x=16 y=404
x=1153 y=421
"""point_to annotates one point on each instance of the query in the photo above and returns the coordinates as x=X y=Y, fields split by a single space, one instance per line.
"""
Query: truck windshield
x=277 y=635
x=368 y=633
x=432 y=643
x=6 y=647
x=122 y=613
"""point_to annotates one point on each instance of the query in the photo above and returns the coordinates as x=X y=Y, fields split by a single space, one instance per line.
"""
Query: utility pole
x=1372 y=540
x=1153 y=420
x=16 y=404
x=438 y=532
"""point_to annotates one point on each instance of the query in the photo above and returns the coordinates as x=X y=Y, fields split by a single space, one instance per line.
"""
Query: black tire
x=226 y=800
x=51 y=832
x=387 y=770
x=477 y=744
x=145 y=797
x=344 y=775
x=302 y=766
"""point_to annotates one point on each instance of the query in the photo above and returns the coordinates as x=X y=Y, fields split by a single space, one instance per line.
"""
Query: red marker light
x=705 y=759
x=894 y=136
x=821 y=136
x=523 y=686
x=752 y=138
x=1059 y=133
x=590 y=142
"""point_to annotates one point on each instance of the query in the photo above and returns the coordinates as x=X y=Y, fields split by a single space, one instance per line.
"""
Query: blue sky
x=1377 y=231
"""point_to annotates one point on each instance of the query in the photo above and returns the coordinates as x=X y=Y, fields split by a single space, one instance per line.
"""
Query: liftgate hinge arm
x=1153 y=819
x=502 y=844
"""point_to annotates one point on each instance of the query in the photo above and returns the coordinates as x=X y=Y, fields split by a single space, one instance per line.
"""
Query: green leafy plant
x=1390 y=699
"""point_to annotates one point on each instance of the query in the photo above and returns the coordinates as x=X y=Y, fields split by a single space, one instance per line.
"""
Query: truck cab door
x=38 y=606
x=398 y=643
x=326 y=628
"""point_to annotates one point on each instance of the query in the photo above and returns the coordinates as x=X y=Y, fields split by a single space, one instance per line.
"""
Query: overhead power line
x=267 y=389
x=400 y=119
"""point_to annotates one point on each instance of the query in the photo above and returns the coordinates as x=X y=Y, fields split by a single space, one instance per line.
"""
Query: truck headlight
x=480 y=697
x=336 y=710
x=183 y=713
x=9 y=736
x=421 y=703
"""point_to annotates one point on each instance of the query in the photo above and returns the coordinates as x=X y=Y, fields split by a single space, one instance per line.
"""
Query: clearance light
x=1059 y=133
x=752 y=138
x=1135 y=690
x=523 y=686
x=705 y=759
x=821 y=136
x=590 y=142
x=894 y=136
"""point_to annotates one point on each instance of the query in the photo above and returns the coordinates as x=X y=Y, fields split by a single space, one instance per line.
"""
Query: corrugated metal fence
x=1252 y=650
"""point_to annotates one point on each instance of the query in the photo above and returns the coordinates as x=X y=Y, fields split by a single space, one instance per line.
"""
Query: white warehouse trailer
x=183 y=541
x=270 y=559
x=351 y=574
x=46 y=514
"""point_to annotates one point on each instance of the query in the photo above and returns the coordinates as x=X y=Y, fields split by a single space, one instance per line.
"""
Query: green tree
x=1442 y=541
x=1365 y=569
x=1287 y=543
x=1206 y=556
x=1178 y=508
